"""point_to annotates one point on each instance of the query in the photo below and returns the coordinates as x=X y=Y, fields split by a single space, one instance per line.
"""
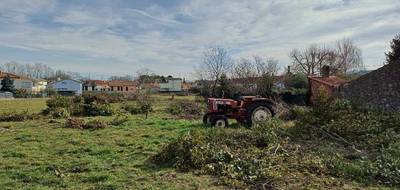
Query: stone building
x=379 y=89
x=330 y=84
x=123 y=86
x=95 y=85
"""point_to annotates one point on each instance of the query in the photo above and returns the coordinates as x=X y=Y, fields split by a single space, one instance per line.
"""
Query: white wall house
x=67 y=87
x=39 y=86
x=96 y=85
x=172 y=85
x=25 y=84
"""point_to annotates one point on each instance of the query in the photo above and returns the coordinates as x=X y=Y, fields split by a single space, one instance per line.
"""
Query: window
x=126 y=89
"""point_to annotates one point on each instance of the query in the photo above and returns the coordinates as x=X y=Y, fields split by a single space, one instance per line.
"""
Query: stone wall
x=379 y=89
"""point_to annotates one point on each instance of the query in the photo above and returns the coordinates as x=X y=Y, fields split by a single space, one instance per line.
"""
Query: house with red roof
x=332 y=85
x=96 y=85
x=123 y=86
x=20 y=82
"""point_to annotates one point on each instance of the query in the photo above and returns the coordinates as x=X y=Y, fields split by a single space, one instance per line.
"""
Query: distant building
x=330 y=84
x=39 y=85
x=186 y=86
x=122 y=86
x=20 y=82
x=96 y=86
x=171 y=85
x=67 y=87
x=110 y=86
x=279 y=82
x=151 y=87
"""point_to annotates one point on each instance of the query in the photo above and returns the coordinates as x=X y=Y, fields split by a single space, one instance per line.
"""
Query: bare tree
x=36 y=70
x=267 y=66
x=216 y=62
x=344 y=57
x=125 y=78
x=310 y=60
x=347 y=56
x=246 y=71
x=251 y=72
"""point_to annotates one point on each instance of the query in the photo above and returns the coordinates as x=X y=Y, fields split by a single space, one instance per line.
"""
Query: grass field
x=31 y=105
x=43 y=155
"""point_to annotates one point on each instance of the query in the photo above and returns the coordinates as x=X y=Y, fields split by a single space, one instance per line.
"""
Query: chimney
x=288 y=69
x=325 y=71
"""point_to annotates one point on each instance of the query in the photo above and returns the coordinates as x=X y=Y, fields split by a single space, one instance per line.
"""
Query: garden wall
x=379 y=89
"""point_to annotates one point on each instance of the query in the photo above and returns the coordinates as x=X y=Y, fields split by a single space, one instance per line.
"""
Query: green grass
x=43 y=155
x=34 y=105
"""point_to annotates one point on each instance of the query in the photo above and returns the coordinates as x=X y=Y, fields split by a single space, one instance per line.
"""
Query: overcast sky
x=108 y=37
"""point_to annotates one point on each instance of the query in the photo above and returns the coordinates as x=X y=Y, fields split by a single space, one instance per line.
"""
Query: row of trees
x=37 y=71
x=345 y=56
x=217 y=66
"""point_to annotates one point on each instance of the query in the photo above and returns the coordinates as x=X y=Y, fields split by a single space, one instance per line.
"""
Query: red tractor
x=246 y=110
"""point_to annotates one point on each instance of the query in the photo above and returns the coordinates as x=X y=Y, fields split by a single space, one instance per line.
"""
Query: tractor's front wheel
x=220 y=122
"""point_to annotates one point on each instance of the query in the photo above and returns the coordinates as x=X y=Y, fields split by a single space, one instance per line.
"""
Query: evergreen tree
x=225 y=89
x=7 y=84
x=393 y=56
x=265 y=86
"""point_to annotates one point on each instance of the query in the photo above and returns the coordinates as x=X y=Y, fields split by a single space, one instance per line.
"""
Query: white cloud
x=17 y=11
x=172 y=40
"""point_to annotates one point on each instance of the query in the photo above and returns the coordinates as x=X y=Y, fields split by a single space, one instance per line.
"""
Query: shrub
x=97 y=109
x=75 y=123
x=22 y=93
x=132 y=108
x=89 y=105
x=49 y=92
x=371 y=132
x=78 y=123
x=59 y=113
x=95 y=124
x=120 y=119
x=16 y=116
x=341 y=142
x=185 y=109
x=132 y=96
x=59 y=102
x=103 y=97
x=229 y=153
x=145 y=103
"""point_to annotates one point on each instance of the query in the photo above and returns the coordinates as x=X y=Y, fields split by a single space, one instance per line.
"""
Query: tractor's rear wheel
x=219 y=121
x=258 y=113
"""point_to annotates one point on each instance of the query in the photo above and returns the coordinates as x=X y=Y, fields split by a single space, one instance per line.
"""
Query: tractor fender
x=270 y=103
